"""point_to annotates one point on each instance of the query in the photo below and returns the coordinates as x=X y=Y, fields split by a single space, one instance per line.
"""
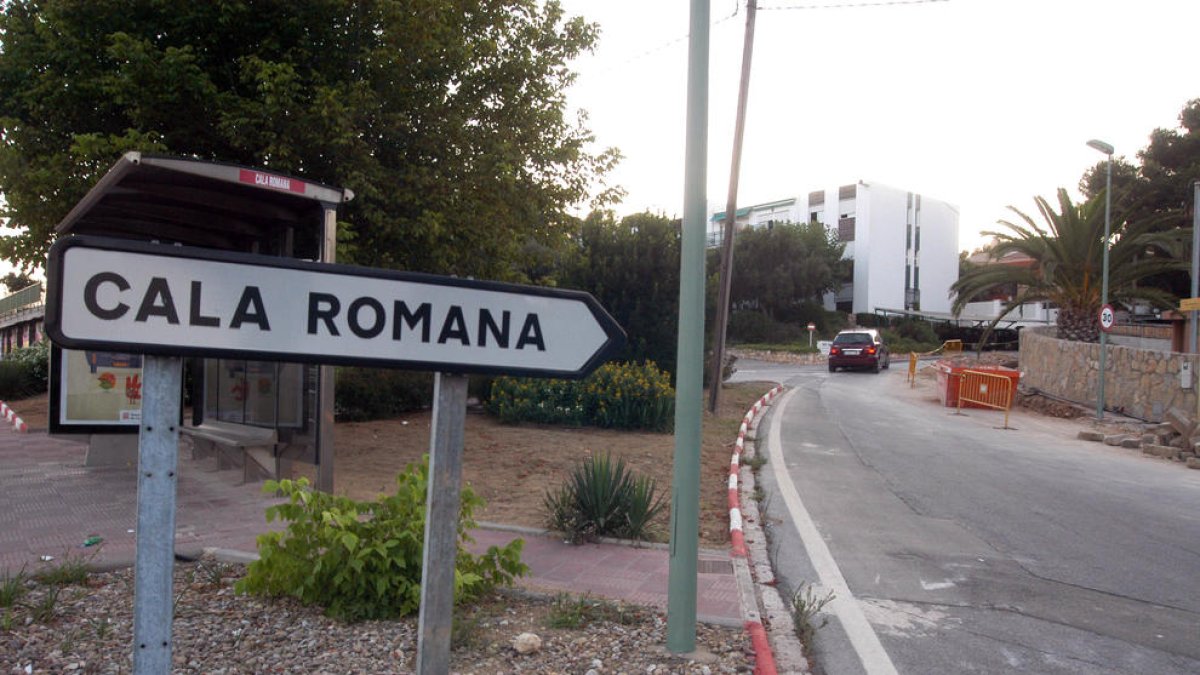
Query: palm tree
x=1067 y=253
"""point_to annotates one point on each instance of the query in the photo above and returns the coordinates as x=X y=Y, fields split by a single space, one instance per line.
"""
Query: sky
x=979 y=103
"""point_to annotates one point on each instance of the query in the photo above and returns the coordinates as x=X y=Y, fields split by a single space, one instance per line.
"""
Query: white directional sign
x=149 y=298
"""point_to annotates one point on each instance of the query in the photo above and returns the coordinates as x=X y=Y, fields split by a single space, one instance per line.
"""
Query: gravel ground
x=90 y=626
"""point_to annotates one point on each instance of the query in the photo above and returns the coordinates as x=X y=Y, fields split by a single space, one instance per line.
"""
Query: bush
x=898 y=344
x=362 y=560
x=603 y=498
x=617 y=396
x=16 y=382
x=380 y=393
x=25 y=371
x=755 y=326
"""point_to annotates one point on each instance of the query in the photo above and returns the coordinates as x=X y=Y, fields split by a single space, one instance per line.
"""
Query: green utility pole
x=689 y=377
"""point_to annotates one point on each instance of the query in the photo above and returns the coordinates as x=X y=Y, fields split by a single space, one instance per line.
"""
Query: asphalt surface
x=974 y=549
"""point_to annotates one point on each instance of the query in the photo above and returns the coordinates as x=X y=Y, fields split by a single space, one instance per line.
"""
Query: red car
x=859 y=348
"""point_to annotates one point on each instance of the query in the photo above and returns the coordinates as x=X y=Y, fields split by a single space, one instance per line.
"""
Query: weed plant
x=362 y=559
x=572 y=613
x=44 y=610
x=13 y=587
x=603 y=497
x=806 y=605
x=69 y=571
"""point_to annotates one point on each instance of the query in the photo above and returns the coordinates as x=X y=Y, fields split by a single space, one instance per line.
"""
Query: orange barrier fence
x=985 y=389
x=948 y=347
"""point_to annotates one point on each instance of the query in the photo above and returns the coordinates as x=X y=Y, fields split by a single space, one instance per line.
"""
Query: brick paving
x=50 y=503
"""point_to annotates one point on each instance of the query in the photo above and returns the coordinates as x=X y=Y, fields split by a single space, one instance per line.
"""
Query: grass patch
x=13 y=587
x=573 y=612
x=44 y=610
x=71 y=570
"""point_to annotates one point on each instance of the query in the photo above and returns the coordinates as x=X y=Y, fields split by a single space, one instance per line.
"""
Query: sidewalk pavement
x=50 y=503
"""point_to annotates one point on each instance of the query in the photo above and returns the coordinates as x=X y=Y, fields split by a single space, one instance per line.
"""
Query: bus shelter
x=268 y=413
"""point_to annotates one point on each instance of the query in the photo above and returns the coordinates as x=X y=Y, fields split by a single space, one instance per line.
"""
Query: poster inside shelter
x=100 y=387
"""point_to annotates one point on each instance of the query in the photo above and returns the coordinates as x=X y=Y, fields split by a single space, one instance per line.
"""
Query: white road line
x=862 y=636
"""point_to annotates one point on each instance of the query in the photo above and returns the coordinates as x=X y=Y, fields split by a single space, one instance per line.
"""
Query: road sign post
x=441 y=518
x=158 y=455
x=811 y=327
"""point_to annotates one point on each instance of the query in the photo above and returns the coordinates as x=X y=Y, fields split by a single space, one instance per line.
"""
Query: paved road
x=964 y=548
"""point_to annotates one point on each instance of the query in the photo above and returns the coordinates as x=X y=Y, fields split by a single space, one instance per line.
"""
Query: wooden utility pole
x=722 y=318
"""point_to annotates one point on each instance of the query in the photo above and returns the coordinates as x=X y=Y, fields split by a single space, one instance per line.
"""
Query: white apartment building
x=904 y=246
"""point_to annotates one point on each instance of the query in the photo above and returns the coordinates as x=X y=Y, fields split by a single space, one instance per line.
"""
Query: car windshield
x=853 y=339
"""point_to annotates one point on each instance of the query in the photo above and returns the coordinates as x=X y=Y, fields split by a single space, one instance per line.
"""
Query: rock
x=1180 y=421
x=1193 y=463
x=1131 y=442
x=1150 y=439
x=1178 y=442
x=1115 y=439
x=527 y=643
x=1160 y=451
x=1091 y=436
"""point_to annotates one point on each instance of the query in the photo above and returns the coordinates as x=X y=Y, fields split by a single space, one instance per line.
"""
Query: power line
x=852 y=5
x=665 y=45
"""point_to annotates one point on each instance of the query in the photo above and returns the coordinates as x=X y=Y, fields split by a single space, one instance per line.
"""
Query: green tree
x=777 y=269
x=446 y=117
x=1067 y=247
x=632 y=268
x=15 y=281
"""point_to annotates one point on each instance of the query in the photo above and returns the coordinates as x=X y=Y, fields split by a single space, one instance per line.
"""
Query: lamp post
x=1108 y=150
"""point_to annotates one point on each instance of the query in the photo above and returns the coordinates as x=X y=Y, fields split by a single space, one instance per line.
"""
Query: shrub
x=25 y=371
x=629 y=396
x=16 y=382
x=603 y=498
x=362 y=560
x=755 y=326
x=379 y=393
x=617 y=395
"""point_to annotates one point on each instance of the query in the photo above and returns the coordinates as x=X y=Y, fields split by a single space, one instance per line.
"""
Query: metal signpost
x=811 y=327
x=172 y=301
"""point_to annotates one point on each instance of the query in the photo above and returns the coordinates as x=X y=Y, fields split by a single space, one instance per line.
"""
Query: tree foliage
x=15 y=281
x=777 y=269
x=446 y=117
x=1159 y=186
x=632 y=268
x=1067 y=250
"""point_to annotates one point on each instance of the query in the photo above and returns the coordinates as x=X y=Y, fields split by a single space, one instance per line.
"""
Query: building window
x=816 y=198
x=814 y=217
x=917 y=242
x=846 y=229
x=846 y=192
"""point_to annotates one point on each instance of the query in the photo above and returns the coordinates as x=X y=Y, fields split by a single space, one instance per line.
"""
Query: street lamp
x=1108 y=150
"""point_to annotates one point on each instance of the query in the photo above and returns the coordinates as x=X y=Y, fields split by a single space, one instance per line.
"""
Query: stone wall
x=1142 y=383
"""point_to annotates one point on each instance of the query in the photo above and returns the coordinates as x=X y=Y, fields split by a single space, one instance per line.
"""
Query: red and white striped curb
x=11 y=417
x=764 y=661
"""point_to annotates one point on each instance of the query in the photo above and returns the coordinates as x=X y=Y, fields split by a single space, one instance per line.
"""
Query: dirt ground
x=511 y=467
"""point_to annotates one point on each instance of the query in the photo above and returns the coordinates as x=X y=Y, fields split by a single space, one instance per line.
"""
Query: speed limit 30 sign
x=1107 y=318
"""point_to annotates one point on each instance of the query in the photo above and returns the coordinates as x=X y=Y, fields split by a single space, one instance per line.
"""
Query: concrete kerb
x=780 y=650
x=11 y=417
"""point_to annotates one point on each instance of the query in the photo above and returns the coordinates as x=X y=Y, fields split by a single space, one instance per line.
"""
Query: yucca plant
x=602 y=497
